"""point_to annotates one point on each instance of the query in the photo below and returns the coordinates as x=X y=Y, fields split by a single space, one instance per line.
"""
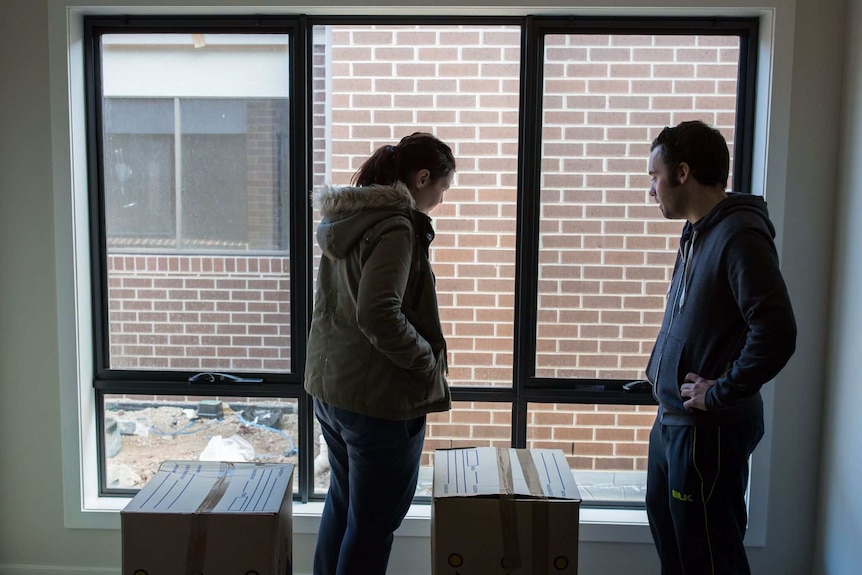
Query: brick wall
x=199 y=312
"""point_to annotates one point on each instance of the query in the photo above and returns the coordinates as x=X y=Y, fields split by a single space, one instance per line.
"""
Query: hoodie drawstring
x=687 y=256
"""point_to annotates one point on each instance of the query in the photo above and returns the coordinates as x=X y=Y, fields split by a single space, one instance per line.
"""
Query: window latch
x=639 y=386
x=212 y=377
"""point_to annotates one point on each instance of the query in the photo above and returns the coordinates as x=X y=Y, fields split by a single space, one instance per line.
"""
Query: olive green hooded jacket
x=376 y=346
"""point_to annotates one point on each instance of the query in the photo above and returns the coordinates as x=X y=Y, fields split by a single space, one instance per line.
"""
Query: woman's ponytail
x=380 y=168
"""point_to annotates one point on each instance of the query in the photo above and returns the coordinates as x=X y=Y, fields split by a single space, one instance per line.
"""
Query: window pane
x=376 y=84
x=143 y=431
x=605 y=445
x=139 y=170
x=194 y=164
x=468 y=424
x=233 y=173
x=606 y=253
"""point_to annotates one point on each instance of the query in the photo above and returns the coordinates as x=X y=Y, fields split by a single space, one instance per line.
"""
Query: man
x=728 y=329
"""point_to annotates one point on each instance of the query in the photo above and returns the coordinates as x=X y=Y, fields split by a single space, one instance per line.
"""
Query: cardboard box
x=504 y=512
x=211 y=518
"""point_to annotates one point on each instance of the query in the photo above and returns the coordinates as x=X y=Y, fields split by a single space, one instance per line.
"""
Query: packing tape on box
x=509 y=517
x=198 y=536
x=540 y=508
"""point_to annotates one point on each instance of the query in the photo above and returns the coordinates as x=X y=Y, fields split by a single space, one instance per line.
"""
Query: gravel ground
x=144 y=438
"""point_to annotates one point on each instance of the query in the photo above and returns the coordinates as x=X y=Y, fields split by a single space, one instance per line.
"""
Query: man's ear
x=423 y=178
x=683 y=172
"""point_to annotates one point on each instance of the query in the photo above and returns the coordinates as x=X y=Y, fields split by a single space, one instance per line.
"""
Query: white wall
x=806 y=262
x=31 y=521
x=33 y=538
x=840 y=533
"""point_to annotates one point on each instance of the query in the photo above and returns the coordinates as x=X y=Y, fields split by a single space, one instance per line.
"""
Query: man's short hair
x=700 y=146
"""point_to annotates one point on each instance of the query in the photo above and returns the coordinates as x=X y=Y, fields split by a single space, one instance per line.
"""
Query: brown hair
x=418 y=151
x=699 y=145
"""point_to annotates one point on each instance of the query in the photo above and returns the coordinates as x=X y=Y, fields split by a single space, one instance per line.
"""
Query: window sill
x=597 y=525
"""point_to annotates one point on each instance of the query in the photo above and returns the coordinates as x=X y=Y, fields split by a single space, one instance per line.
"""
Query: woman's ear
x=423 y=178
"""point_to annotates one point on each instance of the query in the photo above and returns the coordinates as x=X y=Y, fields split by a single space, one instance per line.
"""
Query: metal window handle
x=639 y=386
x=213 y=377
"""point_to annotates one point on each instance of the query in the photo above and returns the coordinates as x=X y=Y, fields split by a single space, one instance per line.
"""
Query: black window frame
x=526 y=387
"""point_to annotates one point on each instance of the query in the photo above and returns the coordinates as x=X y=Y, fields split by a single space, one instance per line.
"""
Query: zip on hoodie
x=686 y=252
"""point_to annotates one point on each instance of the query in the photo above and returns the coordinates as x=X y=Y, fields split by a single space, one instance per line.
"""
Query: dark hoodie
x=728 y=315
x=376 y=346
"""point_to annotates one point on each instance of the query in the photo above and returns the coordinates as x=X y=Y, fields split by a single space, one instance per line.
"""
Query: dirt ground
x=144 y=438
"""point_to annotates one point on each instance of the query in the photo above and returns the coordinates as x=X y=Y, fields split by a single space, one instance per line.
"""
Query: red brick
x=717 y=71
x=674 y=40
x=636 y=420
x=581 y=448
x=631 y=40
x=551 y=418
x=730 y=55
x=629 y=71
x=572 y=434
x=490 y=432
x=370 y=37
x=715 y=102
x=631 y=449
x=587 y=419
x=610 y=55
x=538 y=433
x=420 y=70
x=727 y=87
x=653 y=55
x=613 y=434
x=437 y=54
x=565 y=54
x=720 y=41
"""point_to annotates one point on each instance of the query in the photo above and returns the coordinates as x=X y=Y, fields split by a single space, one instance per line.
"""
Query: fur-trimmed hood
x=349 y=211
x=337 y=202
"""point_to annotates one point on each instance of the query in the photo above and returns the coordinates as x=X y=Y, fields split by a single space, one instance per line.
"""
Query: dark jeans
x=374 y=468
x=695 y=500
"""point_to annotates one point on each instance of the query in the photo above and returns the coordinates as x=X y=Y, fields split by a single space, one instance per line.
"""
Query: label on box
x=213 y=487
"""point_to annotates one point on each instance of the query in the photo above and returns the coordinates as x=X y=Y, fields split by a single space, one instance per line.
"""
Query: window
x=551 y=262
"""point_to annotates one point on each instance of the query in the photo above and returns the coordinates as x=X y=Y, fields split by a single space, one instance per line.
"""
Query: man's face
x=666 y=188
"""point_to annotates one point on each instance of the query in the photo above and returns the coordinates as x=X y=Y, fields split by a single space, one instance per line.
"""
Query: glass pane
x=606 y=446
x=233 y=173
x=139 y=170
x=195 y=171
x=142 y=431
x=468 y=424
x=374 y=85
x=606 y=252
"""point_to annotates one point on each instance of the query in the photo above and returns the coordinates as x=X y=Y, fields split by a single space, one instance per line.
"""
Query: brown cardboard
x=211 y=518
x=504 y=512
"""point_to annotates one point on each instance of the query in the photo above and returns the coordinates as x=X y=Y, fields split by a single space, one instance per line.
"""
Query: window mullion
x=178 y=171
x=526 y=231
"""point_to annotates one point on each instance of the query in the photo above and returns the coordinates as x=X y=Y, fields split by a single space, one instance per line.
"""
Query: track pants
x=696 y=482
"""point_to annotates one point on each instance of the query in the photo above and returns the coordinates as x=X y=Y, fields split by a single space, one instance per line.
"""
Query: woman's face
x=428 y=193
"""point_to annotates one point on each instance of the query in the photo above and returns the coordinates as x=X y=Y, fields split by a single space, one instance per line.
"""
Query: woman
x=376 y=362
